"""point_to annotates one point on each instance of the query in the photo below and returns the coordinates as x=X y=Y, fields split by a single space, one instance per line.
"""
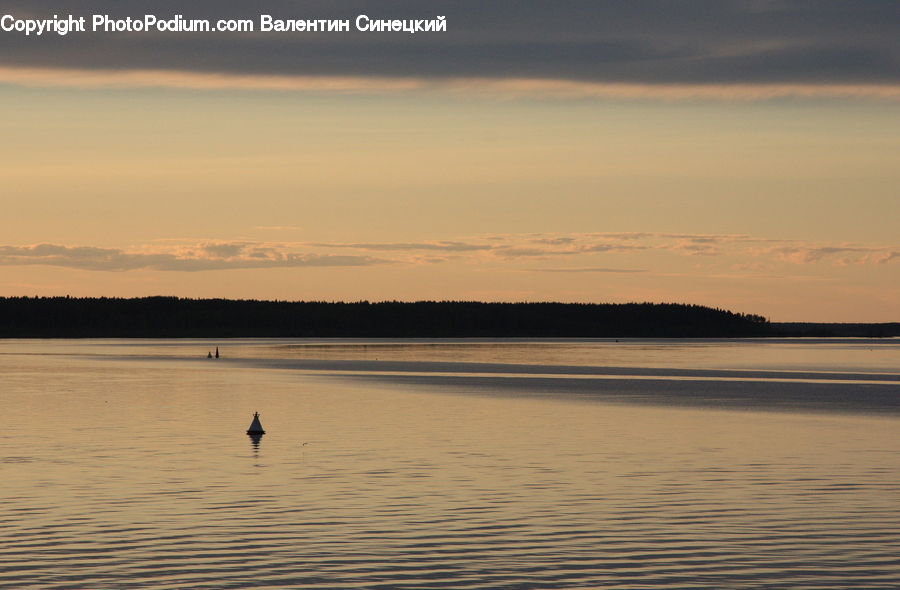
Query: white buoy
x=255 y=426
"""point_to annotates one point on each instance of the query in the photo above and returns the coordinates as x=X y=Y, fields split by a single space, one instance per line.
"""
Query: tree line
x=150 y=317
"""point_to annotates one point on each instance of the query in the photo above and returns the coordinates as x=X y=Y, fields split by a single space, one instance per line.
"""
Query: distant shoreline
x=174 y=317
x=836 y=330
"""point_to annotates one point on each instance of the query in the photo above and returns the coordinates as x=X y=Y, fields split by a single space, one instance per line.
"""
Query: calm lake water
x=450 y=464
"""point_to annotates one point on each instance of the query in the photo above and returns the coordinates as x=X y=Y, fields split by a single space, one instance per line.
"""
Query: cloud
x=562 y=240
x=695 y=248
x=741 y=249
x=580 y=48
x=882 y=257
x=587 y=270
x=446 y=246
x=42 y=77
x=609 y=247
x=583 y=253
x=205 y=257
x=533 y=252
x=507 y=88
x=223 y=250
x=842 y=255
x=736 y=247
x=582 y=244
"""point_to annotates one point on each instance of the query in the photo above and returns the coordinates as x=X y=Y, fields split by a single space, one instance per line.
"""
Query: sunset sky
x=743 y=155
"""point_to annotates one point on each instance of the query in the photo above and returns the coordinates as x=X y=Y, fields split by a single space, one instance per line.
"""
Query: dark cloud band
x=647 y=42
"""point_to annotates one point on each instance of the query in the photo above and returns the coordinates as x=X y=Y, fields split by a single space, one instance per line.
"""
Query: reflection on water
x=136 y=473
x=769 y=354
x=254 y=440
x=794 y=354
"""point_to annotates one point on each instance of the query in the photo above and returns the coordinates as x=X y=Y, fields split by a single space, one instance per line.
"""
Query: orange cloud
x=205 y=257
x=488 y=87
x=740 y=252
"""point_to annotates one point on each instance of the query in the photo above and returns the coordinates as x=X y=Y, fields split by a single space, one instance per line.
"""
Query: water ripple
x=155 y=485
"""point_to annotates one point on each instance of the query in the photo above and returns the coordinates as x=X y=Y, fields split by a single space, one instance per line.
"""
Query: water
x=438 y=464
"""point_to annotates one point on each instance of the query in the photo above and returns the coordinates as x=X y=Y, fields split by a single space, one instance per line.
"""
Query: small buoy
x=209 y=355
x=255 y=426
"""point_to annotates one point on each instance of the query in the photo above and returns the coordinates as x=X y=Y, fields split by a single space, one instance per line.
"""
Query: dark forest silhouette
x=69 y=317
x=178 y=317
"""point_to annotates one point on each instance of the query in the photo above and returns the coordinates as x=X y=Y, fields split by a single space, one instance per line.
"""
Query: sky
x=742 y=155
